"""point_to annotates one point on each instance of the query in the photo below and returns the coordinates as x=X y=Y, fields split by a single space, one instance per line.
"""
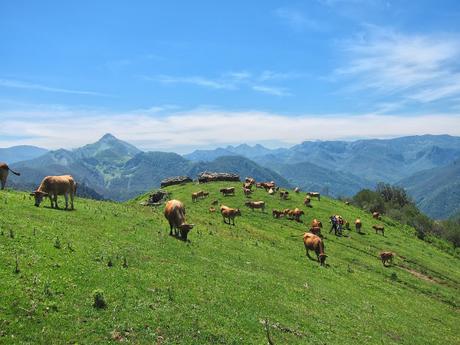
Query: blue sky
x=180 y=75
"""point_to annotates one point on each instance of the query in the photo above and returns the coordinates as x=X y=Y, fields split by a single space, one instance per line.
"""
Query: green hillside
x=221 y=286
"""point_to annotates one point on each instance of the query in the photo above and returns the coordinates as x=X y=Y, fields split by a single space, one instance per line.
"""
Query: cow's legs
x=55 y=201
x=51 y=200
x=3 y=182
x=66 y=197
x=71 y=200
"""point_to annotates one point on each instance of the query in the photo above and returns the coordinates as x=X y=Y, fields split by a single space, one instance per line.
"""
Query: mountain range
x=116 y=170
x=427 y=166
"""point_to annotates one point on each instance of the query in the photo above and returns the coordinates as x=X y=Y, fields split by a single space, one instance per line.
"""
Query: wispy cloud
x=235 y=80
x=275 y=91
x=297 y=20
x=195 y=80
x=32 y=86
x=421 y=68
x=210 y=127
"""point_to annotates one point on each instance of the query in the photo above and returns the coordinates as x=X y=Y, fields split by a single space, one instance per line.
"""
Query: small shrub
x=394 y=276
x=110 y=263
x=57 y=243
x=99 y=299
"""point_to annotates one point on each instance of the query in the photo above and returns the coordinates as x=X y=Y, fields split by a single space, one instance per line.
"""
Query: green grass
x=219 y=287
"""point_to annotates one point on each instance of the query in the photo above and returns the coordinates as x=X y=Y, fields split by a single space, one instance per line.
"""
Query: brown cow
x=255 y=204
x=247 y=192
x=52 y=186
x=247 y=185
x=4 y=170
x=378 y=228
x=376 y=215
x=277 y=214
x=212 y=209
x=315 y=223
x=386 y=257
x=316 y=230
x=284 y=194
x=358 y=225
x=230 y=213
x=314 y=242
x=228 y=191
x=295 y=214
x=197 y=195
x=175 y=214
x=250 y=180
x=314 y=195
x=268 y=185
x=307 y=201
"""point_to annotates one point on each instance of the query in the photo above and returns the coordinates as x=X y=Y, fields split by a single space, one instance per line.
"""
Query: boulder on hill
x=170 y=181
x=207 y=176
x=157 y=198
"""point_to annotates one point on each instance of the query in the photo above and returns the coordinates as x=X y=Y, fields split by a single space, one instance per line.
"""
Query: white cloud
x=234 y=80
x=275 y=91
x=187 y=130
x=31 y=86
x=413 y=67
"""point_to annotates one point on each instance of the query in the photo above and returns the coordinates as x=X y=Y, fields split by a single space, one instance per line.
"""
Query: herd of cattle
x=52 y=186
x=313 y=239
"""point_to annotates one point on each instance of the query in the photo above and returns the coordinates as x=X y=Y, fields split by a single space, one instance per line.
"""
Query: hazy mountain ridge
x=113 y=169
x=20 y=153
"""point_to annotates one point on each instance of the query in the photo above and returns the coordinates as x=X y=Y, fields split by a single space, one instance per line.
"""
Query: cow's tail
x=14 y=172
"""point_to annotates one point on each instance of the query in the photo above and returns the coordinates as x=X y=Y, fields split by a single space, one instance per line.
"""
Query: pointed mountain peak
x=108 y=137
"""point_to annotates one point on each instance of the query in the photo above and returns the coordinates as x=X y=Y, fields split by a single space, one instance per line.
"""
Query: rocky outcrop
x=170 y=181
x=157 y=198
x=207 y=176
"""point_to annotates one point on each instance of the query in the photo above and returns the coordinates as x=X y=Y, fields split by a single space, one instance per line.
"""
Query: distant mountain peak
x=108 y=137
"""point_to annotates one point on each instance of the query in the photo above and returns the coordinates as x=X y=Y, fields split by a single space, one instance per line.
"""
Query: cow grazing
x=314 y=195
x=175 y=214
x=284 y=194
x=229 y=213
x=296 y=190
x=4 y=170
x=247 y=185
x=316 y=230
x=52 y=186
x=347 y=203
x=376 y=215
x=315 y=223
x=378 y=228
x=212 y=209
x=255 y=204
x=268 y=185
x=295 y=214
x=228 y=191
x=205 y=194
x=214 y=202
x=358 y=225
x=197 y=195
x=271 y=191
x=315 y=243
x=277 y=214
x=307 y=202
x=386 y=257
x=250 y=180
x=247 y=192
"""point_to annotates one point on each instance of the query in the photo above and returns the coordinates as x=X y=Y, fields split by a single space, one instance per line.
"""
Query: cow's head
x=237 y=212
x=322 y=259
x=38 y=195
x=184 y=230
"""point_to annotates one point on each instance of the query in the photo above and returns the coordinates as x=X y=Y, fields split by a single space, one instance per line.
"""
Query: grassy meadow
x=223 y=285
